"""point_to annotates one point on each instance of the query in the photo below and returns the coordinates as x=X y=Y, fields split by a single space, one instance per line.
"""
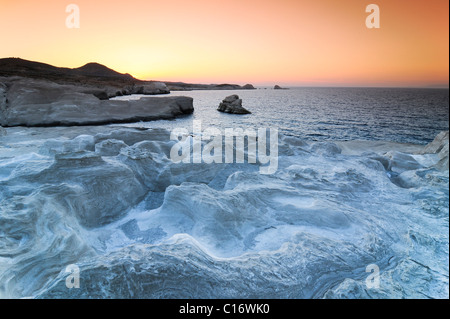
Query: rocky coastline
x=39 y=94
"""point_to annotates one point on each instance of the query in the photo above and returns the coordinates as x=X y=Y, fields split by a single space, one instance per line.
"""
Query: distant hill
x=99 y=70
x=94 y=74
x=20 y=67
x=16 y=66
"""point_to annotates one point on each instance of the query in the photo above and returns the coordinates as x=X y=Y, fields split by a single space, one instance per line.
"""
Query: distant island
x=180 y=86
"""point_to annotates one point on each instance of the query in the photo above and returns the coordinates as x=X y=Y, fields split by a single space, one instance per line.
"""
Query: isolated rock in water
x=232 y=104
x=232 y=99
x=277 y=87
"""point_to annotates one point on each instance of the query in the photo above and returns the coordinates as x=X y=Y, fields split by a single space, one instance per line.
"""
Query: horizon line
x=281 y=83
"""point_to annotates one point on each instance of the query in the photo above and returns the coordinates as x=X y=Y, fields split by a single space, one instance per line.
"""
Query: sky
x=262 y=42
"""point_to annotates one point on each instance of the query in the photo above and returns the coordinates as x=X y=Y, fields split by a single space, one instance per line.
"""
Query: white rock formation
x=34 y=102
x=110 y=200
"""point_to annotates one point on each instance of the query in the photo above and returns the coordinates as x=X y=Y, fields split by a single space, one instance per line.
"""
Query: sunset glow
x=286 y=42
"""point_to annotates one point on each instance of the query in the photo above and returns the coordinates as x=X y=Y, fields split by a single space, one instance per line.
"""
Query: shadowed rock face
x=232 y=104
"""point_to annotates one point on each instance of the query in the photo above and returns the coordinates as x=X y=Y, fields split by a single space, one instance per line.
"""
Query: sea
x=404 y=115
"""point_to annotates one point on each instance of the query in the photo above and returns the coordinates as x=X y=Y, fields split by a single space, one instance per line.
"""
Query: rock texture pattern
x=110 y=200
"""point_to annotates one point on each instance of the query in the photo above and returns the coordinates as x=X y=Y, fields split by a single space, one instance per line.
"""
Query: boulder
x=232 y=104
x=277 y=87
x=33 y=102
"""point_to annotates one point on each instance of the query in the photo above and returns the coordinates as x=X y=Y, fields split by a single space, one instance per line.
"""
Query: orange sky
x=286 y=42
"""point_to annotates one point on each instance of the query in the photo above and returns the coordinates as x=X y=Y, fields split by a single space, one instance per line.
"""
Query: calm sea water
x=390 y=114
